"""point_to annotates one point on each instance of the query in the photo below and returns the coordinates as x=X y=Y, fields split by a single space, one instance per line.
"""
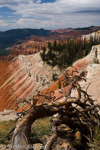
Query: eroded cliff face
x=95 y=35
x=32 y=46
x=27 y=74
x=22 y=77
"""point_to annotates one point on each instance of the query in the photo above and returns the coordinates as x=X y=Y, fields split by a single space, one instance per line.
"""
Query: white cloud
x=61 y=13
x=3 y=23
x=27 y=7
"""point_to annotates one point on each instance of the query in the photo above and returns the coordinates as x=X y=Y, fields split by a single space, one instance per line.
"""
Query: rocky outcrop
x=93 y=82
x=95 y=52
x=8 y=115
x=95 y=35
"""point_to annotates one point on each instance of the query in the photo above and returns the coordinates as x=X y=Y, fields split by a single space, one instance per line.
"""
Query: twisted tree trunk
x=21 y=137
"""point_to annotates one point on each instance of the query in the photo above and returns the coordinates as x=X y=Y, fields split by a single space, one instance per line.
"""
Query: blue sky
x=47 y=1
x=48 y=14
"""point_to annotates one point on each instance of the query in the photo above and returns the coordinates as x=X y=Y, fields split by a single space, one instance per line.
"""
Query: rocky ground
x=7 y=115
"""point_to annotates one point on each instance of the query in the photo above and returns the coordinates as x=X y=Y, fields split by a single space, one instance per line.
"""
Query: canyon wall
x=32 y=46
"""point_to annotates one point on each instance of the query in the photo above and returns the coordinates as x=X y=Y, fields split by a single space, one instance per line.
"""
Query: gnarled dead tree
x=78 y=113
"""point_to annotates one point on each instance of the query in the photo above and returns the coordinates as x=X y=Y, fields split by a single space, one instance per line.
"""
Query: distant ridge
x=16 y=36
x=91 y=28
x=10 y=37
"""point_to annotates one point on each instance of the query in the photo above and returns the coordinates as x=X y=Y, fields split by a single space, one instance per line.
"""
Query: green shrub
x=65 y=84
x=82 y=74
x=41 y=127
x=94 y=141
x=54 y=76
x=96 y=61
x=39 y=132
x=5 y=126
x=59 y=84
x=3 y=140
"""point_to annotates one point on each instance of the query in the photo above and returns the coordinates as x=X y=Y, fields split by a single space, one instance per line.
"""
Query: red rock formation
x=92 y=29
x=62 y=30
x=32 y=46
x=7 y=58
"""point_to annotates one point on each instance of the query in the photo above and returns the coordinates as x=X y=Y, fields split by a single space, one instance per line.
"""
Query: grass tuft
x=5 y=126
x=41 y=127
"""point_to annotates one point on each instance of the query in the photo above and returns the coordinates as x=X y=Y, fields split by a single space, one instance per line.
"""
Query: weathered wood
x=24 y=126
x=19 y=142
x=50 y=141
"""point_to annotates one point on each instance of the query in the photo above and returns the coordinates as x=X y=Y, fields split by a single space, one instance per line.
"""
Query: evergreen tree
x=55 y=45
x=42 y=54
x=49 y=45
x=59 y=84
x=49 y=54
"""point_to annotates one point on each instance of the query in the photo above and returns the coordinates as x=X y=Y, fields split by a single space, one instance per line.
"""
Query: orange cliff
x=32 y=46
